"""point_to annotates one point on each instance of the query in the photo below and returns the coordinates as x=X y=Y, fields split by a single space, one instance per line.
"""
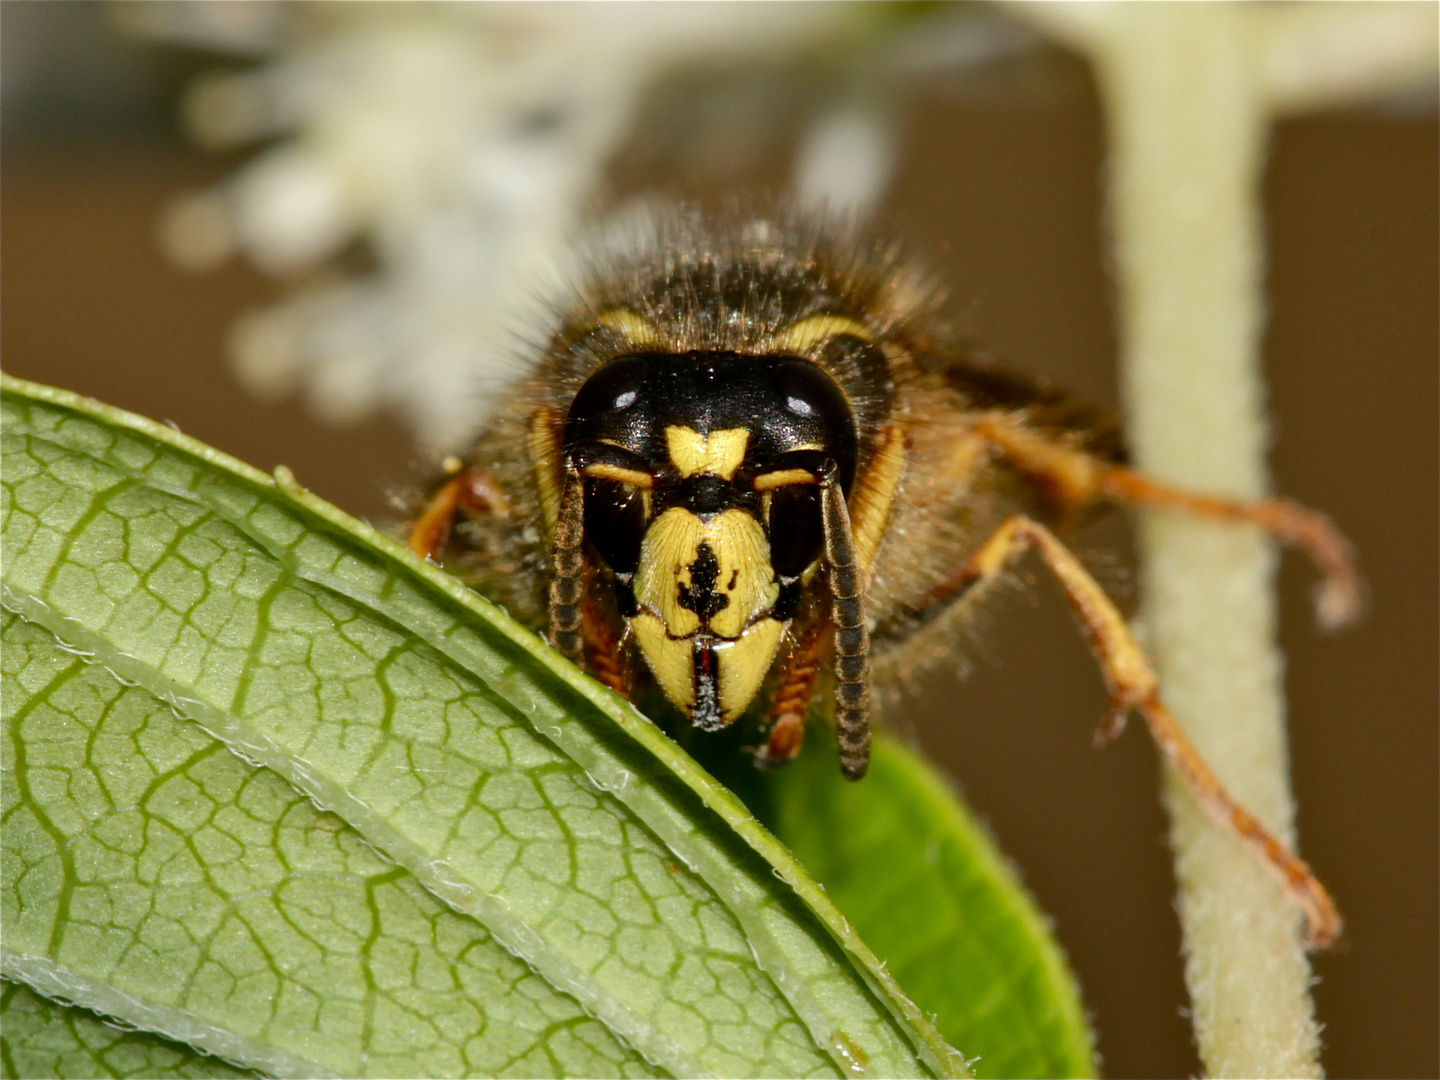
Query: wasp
x=751 y=469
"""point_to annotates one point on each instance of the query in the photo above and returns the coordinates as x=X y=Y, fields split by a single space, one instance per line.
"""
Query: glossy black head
x=702 y=473
x=630 y=412
x=785 y=404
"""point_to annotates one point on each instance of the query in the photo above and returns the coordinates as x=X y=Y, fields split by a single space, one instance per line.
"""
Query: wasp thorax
x=701 y=474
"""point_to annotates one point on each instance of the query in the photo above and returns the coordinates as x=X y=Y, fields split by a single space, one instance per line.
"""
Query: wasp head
x=701 y=494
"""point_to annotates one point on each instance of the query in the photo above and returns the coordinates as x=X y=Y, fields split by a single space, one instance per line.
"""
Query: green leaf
x=183 y=863
x=40 y=1037
x=456 y=757
x=926 y=888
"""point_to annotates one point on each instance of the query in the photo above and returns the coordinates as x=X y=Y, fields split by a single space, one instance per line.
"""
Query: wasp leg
x=1074 y=479
x=791 y=703
x=602 y=644
x=1133 y=685
x=1340 y=596
x=473 y=492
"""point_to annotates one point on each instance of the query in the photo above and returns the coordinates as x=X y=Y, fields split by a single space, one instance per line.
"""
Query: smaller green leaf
x=40 y=1037
x=924 y=885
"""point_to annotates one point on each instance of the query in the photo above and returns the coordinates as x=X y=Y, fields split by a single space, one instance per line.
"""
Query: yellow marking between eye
x=784 y=478
x=721 y=452
x=801 y=336
x=633 y=477
x=624 y=321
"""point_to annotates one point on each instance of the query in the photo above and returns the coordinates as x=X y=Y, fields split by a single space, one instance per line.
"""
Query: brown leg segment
x=1074 y=479
x=1340 y=596
x=1133 y=685
x=602 y=646
x=791 y=703
x=473 y=492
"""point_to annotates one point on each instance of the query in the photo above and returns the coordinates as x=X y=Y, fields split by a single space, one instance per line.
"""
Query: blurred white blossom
x=444 y=153
x=845 y=160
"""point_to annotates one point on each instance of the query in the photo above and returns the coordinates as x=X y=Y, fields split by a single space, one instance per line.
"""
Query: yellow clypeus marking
x=799 y=337
x=743 y=665
x=743 y=577
x=723 y=567
x=635 y=329
x=670 y=661
x=720 y=452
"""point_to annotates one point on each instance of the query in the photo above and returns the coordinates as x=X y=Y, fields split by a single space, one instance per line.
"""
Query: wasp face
x=701 y=473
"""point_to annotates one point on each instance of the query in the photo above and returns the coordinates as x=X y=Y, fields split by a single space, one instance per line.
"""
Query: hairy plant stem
x=1189 y=91
x=1187 y=151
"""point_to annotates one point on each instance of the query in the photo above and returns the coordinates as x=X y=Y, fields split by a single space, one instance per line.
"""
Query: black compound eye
x=614 y=388
x=810 y=393
x=820 y=410
x=796 y=536
x=615 y=523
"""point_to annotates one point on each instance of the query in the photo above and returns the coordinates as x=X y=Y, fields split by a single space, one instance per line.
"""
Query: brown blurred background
x=1003 y=190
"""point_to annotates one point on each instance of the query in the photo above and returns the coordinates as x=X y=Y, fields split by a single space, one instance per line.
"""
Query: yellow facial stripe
x=635 y=330
x=783 y=478
x=800 y=337
x=670 y=661
x=743 y=665
x=870 y=510
x=543 y=452
x=720 y=453
x=633 y=477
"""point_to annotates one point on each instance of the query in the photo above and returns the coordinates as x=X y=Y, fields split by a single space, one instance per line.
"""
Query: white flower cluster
x=452 y=148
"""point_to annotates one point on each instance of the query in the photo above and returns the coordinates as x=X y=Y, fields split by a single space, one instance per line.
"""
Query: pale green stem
x=1187 y=133
x=1186 y=152
x=1189 y=91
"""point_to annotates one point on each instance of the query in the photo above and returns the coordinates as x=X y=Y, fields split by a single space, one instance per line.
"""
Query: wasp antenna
x=567 y=562
x=852 y=639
